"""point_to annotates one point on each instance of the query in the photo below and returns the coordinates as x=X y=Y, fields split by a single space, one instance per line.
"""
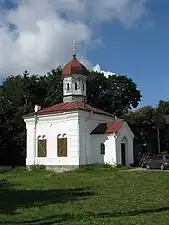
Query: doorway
x=123 y=154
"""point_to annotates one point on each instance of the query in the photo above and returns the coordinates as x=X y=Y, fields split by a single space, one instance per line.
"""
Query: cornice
x=64 y=117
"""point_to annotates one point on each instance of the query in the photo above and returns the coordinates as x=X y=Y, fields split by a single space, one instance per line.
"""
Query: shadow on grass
x=5 y=169
x=12 y=199
x=50 y=220
x=69 y=217
x=130 y=213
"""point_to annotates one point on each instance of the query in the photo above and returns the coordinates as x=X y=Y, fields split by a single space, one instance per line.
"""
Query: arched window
x=62 y=145
x=42 y=146
x=68 y=87
x=76 y=86
x=59 y=136
x=102 y=149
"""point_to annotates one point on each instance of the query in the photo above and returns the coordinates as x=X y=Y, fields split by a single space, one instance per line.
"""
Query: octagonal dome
x=74 y=67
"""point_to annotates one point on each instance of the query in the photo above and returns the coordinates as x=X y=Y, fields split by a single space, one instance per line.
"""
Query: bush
x=107 y=166
x=86 y=167
x=37 y=168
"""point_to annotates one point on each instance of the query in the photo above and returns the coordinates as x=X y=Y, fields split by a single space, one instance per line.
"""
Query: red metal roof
x=110 y=127
x=74 y=67
x=114 y=126
x=69 y=106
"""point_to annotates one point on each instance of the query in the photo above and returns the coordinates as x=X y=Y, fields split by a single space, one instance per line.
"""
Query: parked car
x=159 y=162
x=145 y=158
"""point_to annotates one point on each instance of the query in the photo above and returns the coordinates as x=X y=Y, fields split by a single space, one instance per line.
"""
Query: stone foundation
x=61 y=169
x=54 y=168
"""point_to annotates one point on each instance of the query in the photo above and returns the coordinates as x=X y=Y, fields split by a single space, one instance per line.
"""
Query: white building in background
x=73 y=133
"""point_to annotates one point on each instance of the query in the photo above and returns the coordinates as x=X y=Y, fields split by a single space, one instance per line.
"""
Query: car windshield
x=167 y=156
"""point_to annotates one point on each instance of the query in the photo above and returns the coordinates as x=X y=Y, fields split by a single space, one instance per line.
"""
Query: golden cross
x=74 y=48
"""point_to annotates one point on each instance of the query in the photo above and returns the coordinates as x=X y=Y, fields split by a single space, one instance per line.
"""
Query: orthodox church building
x=72 y=133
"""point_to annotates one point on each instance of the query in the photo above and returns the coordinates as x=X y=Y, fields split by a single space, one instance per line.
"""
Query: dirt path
x=144 y=169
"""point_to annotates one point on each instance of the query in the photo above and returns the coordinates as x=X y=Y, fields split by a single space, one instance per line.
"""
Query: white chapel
x=72 y=133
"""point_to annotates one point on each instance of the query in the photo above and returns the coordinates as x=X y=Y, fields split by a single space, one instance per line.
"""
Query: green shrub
x=37 y=168
x=86 y=167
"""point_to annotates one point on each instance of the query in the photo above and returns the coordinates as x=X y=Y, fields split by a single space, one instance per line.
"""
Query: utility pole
x=160 y=124
x=158 y=140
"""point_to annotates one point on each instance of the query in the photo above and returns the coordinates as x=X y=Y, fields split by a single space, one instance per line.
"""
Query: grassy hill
x=90 y=196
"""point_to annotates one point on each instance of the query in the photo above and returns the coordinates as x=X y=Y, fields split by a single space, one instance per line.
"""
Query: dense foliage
x=145 y=122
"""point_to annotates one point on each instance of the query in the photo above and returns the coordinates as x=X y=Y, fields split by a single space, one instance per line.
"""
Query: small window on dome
x=76 y=86
x=68 y=87
x=83 y=87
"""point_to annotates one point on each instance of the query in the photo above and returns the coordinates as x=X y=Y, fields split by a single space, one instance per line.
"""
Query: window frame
x=68 y=87
x=43 y=140
x=160 y=157
x=75 y=86
x=60 y=153
x=102 y=149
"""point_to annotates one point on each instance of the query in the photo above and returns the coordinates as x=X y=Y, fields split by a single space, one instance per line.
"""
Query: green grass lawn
x=85 y=197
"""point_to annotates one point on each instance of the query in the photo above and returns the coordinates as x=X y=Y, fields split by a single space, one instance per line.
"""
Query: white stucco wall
x=110 y=149
x=51 y=126
x=87 y=123
x=125 y=133
x=113 y=146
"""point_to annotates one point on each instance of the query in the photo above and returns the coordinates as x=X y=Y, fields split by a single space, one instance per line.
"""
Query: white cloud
x=44 y=30
x=106 y=73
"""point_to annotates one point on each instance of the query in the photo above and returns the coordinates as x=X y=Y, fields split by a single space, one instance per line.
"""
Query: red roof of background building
x=110 y=127
x=74 y=67
x=69 y=106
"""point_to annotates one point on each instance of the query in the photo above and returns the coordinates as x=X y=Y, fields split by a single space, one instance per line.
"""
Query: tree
x=149 y=128
x=162 y=123
x=96 y=89
x=18 y=95
x=116 y=94
x=163 y=107
x=52 y=83
x=142 y=122
x=12 y=105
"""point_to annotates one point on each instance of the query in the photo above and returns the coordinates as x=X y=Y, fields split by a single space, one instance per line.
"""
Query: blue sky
x=140 y=51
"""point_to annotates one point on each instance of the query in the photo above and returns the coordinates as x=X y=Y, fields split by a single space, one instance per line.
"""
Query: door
x=159 y=161
x=156 y=161
x=123 y=154
x=153 y=162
